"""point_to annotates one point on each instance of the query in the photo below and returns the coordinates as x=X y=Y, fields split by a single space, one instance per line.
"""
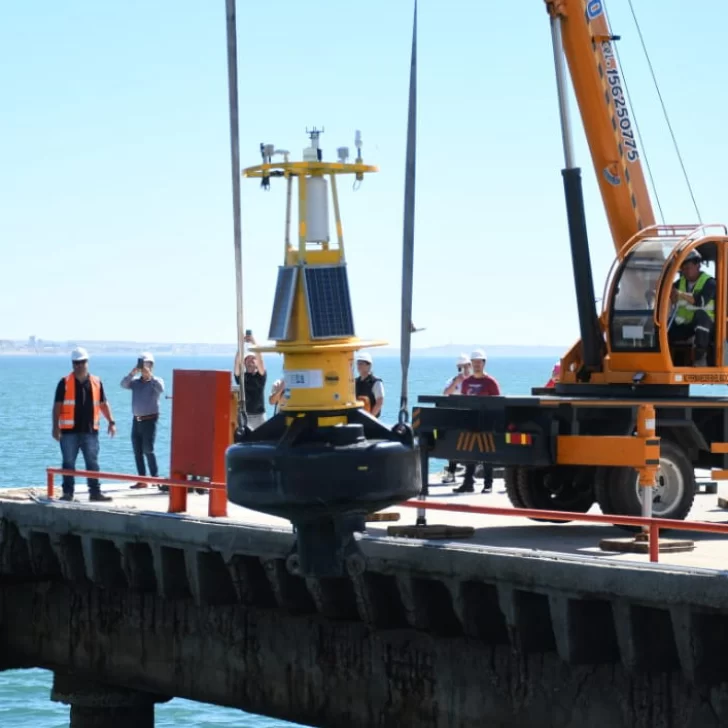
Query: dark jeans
x=702 y=327
x=142 y=440
x=469 y=477
x=452 y=467
x=88 y=444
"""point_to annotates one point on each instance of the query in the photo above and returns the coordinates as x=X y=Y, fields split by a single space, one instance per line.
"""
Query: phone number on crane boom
x=620 y=103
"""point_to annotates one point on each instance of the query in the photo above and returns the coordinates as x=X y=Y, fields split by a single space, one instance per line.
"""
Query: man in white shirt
x=453 y=386
x=367 y=385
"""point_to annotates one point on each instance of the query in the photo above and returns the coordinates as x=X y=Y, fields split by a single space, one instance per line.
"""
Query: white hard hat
x=463 y=359
x=147 y=356
x=477 y=354
x=364 y=356
x=79 y=354
x=247 y=353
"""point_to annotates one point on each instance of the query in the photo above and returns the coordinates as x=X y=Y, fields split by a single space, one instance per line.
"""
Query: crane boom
x=599 y=90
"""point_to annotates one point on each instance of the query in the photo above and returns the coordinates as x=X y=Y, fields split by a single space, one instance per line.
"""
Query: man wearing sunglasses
x=454 y=386
x=79 y=402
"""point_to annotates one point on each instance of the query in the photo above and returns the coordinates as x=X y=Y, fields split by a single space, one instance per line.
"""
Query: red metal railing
x=651 y=525
x=213 y=510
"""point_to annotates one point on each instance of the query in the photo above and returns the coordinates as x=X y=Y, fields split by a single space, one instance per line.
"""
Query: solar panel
x=282 y=303
x=329 y=304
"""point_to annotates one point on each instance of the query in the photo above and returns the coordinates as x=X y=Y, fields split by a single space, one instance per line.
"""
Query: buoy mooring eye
x=321 y=462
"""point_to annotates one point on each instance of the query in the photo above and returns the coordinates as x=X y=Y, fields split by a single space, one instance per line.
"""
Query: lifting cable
x=643 y=147
x=664 y=111
x=408 y=242
x=232 y=61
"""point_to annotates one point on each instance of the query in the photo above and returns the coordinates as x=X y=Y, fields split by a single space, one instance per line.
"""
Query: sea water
x=27 y=386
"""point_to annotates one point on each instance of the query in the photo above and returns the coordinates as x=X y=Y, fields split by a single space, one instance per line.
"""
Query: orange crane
x=610 y=132
x=662 y=328
x=638 y=336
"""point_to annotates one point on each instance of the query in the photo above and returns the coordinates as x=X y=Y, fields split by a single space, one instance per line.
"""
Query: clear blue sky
x=116 y=218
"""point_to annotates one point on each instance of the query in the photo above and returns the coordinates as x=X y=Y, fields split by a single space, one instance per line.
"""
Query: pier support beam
x=95 y=705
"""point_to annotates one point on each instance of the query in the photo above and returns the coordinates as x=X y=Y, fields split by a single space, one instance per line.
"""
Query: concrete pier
x=430 y=634
x=95 y=705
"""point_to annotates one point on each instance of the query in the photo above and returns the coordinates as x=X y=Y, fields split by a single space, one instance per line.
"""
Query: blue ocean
x=27 y=386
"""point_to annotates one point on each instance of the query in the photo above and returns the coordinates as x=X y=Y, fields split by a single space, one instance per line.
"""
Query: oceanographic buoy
x=321 y=462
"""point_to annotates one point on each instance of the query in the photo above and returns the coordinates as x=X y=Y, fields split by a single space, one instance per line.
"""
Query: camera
x=140 y=363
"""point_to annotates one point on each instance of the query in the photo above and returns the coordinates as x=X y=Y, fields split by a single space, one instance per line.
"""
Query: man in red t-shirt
x=478 y=384
x=555 y=376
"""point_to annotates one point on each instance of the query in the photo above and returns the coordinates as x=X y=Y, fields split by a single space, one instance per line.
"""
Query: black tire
x=557 y=489
x=673 y=496
x=603 y=491
x=619 y=480
x=510 y=476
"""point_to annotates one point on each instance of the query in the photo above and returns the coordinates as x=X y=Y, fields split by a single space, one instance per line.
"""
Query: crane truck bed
x=545 y=441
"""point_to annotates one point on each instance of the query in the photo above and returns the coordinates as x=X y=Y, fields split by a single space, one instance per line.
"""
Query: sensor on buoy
x=321 y=462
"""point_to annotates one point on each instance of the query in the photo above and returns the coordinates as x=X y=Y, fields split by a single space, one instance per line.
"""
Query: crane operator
x=694 y=294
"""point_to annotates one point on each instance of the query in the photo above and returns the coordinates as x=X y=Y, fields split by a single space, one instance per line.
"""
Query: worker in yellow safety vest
x=694 y=296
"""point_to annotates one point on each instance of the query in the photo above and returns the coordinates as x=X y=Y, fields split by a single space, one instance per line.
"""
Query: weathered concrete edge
x=330 y=673
x=533 y=571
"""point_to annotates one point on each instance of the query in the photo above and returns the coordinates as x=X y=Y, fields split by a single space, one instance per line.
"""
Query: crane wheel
x=556 y=488
x=673 y=495
x=510 y=476
x=602 y=491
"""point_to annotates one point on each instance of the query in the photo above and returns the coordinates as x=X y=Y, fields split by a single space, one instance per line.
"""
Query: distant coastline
x=39 y=347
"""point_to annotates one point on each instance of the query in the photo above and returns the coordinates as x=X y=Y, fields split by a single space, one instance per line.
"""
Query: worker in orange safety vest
x=78 y=404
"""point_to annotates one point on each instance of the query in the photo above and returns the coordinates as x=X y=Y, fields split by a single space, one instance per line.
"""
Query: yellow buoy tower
x=322 y=462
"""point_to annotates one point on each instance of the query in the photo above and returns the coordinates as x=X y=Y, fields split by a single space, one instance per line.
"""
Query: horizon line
x=233 y=346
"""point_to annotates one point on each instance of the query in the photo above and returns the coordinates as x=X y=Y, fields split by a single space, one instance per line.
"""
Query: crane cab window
x=691 y=331
x=632 y=323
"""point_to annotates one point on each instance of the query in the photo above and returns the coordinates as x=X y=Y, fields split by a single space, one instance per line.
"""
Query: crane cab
x=651 y=334
x=651 y=337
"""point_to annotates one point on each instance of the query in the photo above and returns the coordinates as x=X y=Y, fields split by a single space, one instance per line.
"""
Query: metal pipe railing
x=652 y=525
x=171 y=482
